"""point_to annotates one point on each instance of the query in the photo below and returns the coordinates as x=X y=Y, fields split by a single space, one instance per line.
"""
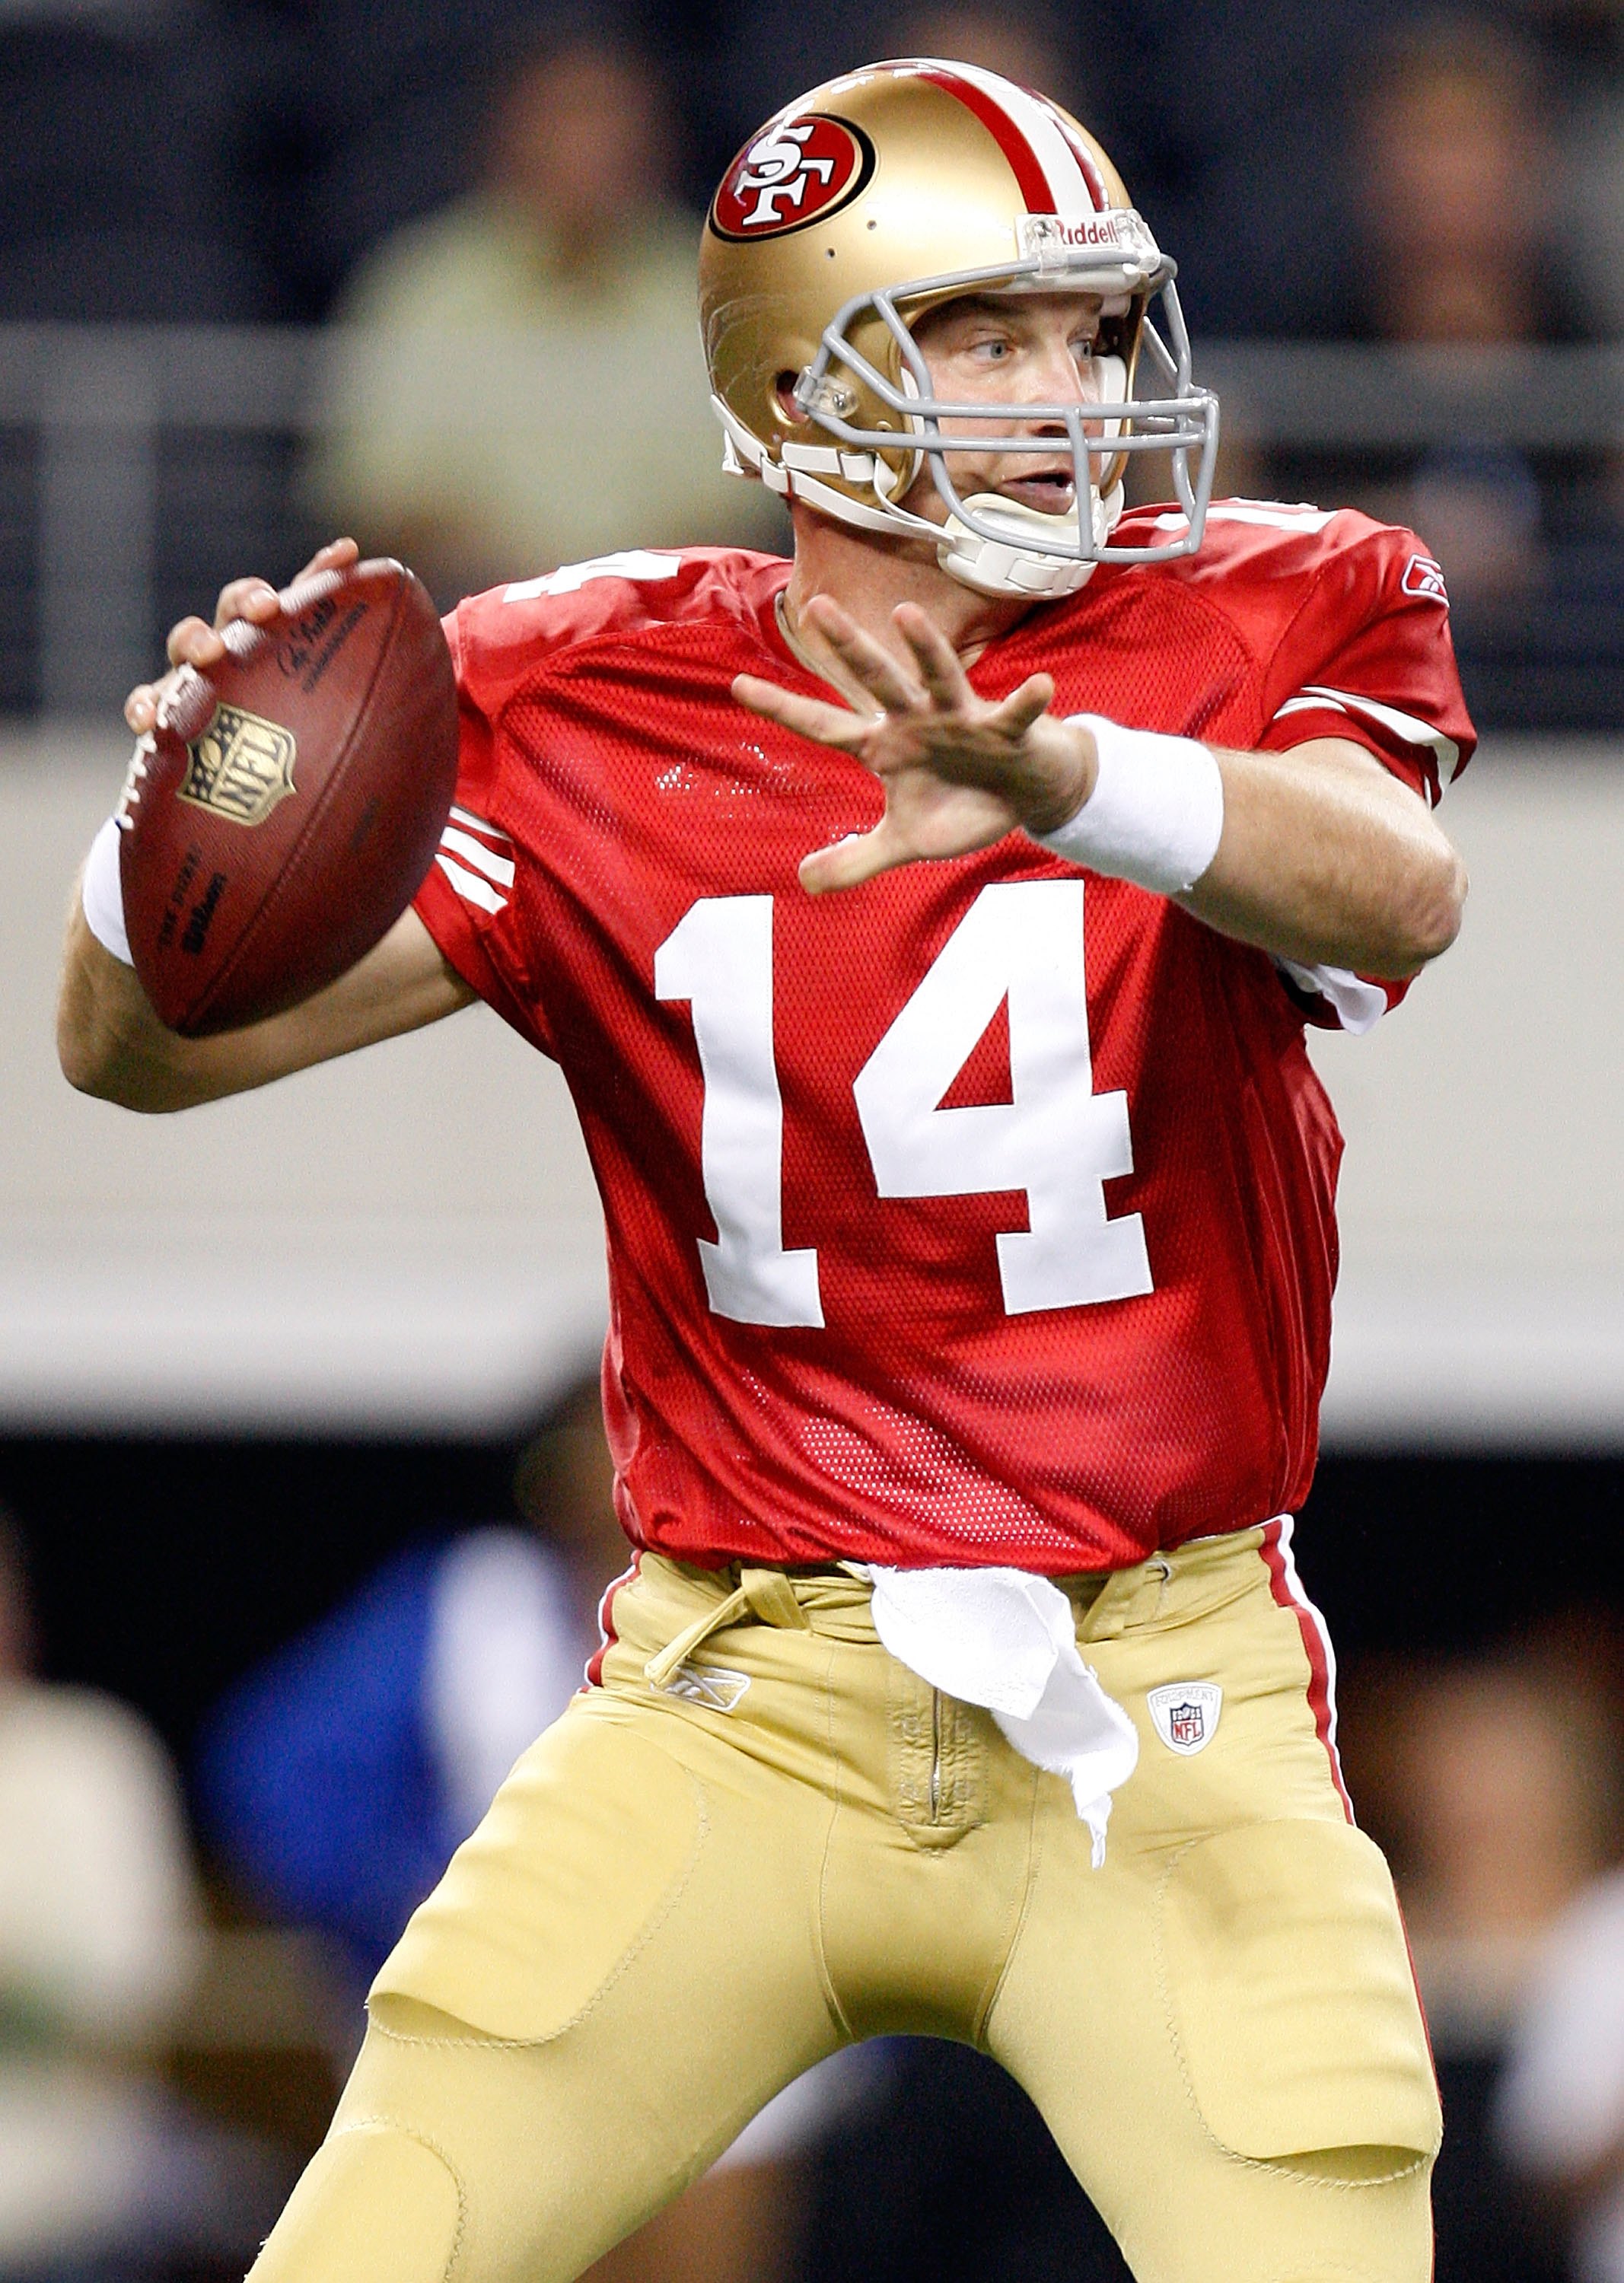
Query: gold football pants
x=684 y=1896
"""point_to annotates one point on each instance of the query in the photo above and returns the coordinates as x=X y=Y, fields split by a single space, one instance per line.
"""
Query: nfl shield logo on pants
x=1186 y=1713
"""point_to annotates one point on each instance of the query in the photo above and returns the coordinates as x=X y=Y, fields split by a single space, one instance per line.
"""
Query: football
x=289 y=801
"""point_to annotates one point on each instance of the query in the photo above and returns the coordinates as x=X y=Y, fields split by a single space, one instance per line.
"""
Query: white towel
x=1006 y=1640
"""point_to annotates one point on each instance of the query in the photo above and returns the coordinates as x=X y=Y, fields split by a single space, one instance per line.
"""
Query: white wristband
x=1155 y=815
x=101 y=892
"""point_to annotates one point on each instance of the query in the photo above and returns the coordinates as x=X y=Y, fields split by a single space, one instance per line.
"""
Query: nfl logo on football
x=1186 y=1713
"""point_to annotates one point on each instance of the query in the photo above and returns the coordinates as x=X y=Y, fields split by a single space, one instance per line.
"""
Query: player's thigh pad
x=1221 y=2025
x=618 y=1970
x=1285 y=1994
x=591 y=1843
x=1291 y=2004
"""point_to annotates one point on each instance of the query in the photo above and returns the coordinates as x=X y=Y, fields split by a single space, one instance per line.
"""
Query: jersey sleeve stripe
x=1268 y=515
x=485 y=860
x=633 y=563
x=478 y=824
x=1445 y=750
x=471 y=887
x=1309 y=705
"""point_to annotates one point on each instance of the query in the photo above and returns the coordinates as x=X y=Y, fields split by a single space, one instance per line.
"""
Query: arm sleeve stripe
x=499 y=869
x=633 y=563
x=471 y=887
x=1309 y=705
x=478 y=824
x=1270 y=515
x=1401 y=724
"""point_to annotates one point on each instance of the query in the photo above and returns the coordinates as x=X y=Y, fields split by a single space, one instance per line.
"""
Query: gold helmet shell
x=882 y=194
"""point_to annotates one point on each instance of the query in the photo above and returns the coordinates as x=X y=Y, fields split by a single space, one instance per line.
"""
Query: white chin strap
x=1003 y=565
x=998 y=565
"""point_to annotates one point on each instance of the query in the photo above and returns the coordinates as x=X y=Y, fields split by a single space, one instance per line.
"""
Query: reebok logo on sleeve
x=1424 y=577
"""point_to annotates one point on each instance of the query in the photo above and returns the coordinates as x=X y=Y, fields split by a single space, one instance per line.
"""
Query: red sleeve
x=1368 y=657
x=468 y=902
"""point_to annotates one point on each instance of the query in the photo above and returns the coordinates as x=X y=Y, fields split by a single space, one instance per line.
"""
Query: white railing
x=99 y=398
x=1324 y=396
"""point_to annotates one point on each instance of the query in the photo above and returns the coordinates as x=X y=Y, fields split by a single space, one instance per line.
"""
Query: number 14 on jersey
x=1056 y=1139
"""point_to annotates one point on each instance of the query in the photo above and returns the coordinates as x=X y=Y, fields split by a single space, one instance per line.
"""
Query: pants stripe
x=1287 y=1586
x=608 y=1636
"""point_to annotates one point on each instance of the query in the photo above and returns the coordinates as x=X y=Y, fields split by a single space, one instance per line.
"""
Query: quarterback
x=927 y=931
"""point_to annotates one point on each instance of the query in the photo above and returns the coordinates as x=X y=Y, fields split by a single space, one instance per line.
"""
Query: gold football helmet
x=886 y=193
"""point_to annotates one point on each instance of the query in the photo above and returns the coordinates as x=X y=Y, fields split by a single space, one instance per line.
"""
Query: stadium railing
x=140 y=465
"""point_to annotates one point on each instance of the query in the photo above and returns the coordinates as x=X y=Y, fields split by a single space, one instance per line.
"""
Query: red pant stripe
x=606 y=1622
x=1288 y=1593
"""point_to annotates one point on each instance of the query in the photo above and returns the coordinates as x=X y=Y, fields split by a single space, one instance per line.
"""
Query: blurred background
x=304 y=1495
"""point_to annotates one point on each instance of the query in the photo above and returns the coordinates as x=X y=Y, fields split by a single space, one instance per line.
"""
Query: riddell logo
x=1053 y=238
x=799 y=171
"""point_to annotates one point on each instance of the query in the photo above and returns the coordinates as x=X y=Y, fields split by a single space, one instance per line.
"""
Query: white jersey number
x=1057 y=1139
x=720 y=958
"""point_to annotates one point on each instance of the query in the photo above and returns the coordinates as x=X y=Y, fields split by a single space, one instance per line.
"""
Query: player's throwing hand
x=959 y=771
x=193 y=642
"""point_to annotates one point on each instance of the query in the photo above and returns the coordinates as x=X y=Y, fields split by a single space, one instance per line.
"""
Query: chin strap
x=1003 y=566
x=1000 y=565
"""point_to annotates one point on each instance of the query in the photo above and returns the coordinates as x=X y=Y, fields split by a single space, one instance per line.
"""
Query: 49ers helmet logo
x=798 y=171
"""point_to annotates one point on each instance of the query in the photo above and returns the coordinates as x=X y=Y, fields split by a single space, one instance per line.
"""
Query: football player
x=971 y=1242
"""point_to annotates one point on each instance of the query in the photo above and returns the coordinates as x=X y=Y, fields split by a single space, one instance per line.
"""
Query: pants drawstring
x=765 y=1594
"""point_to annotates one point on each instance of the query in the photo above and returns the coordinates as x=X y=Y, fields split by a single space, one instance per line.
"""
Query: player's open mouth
x=1052 y=491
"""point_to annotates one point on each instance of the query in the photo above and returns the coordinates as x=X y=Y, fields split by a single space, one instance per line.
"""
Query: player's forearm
x=1326 y=858
x=110 y=1044
x=109 y=1041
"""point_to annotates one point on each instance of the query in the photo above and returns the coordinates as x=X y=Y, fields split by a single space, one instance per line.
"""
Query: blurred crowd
x=248 y=160
x=180 y=1986
x=1495 y=1783
x=107 y=2175
x=497 y=205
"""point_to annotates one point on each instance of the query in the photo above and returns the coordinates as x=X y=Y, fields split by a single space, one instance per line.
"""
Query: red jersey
x=981 y=1214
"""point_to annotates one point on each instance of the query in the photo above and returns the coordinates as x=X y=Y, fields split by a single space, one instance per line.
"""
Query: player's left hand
x=958 y=771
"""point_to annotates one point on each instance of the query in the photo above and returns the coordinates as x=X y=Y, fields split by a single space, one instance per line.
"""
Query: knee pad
x=375 y=2205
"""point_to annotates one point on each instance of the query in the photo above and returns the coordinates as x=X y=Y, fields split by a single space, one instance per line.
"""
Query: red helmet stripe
x=1029 y=175
x=1084 y=157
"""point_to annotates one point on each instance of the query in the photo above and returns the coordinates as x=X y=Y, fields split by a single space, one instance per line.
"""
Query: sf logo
x=779 y=167
x=796 y=172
